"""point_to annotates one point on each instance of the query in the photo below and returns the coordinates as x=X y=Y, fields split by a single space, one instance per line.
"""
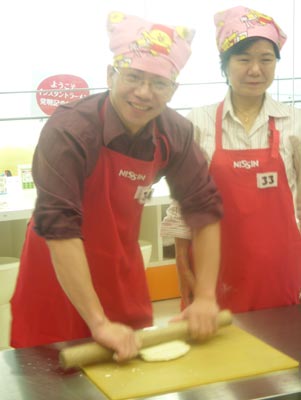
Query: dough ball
x=165 y=351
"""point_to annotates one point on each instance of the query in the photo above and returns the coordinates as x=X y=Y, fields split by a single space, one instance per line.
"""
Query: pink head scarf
x=239 y=23
x=151 y=47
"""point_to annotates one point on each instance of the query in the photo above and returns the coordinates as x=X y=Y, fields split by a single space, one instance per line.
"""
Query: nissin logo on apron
x=132 y=175
x=247 y=164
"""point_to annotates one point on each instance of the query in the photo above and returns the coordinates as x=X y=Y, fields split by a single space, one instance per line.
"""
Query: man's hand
x=201 y=315
x=118 y=337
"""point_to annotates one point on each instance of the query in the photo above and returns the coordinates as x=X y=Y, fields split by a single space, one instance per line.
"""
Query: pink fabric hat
x=239 y=23
x=151 y=47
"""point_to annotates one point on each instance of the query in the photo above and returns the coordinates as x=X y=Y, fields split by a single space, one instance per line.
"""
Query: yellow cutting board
x=231 y=354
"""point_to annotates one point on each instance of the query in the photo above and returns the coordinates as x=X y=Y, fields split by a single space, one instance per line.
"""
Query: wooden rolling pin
x=90 y=353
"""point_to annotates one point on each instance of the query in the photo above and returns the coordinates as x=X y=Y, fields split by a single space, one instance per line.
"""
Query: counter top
x=19 y=204
x=34 y=373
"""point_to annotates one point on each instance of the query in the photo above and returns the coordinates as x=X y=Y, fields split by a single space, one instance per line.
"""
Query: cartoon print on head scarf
x=255 y=18
x=148 y=46
x=239 y=23
x=115 y=17
x=121 y=61
x=157 y=40
x=234 y=38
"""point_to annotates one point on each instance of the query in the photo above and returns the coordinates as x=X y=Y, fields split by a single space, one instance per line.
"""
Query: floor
x=164 y=310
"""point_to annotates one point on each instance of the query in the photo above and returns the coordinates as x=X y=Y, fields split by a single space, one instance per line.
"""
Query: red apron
x=261 y=243
x=112 y=206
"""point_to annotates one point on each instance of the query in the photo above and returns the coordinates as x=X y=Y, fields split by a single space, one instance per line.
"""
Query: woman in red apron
x=261 y=242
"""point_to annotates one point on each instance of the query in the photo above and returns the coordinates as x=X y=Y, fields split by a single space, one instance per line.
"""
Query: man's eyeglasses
x=133 y=79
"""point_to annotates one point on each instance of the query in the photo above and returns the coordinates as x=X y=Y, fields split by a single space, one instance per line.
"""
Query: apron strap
x=158 y=156
x=218 y=126
x=103 y=108
x=274 y=138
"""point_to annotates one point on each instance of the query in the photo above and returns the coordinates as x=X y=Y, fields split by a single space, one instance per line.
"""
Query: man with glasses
x=81 y=271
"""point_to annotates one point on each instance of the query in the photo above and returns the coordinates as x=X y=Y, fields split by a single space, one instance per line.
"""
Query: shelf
x=16 y=209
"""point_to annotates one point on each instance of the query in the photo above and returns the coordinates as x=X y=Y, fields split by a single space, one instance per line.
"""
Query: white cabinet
x=15 y=211
x=153 y=213
x=150 y=231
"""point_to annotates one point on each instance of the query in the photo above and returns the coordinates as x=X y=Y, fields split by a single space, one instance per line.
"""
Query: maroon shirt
x=69 y=147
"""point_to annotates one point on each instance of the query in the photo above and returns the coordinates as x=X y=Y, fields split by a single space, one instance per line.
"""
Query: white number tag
x=267 y=180
x=144 y=194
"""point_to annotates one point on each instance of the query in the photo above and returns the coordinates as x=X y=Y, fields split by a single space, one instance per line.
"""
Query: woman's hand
x=185 y=272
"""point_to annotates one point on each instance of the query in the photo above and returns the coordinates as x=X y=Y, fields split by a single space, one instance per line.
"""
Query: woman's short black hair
x=240 y=48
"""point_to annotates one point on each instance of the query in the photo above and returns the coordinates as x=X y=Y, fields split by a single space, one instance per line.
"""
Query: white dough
x=165 y=351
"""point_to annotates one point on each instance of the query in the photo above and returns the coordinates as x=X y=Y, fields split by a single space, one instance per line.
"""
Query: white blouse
x=287 y=121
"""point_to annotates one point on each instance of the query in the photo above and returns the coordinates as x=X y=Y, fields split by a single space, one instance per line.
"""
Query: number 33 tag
x=267 y=180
